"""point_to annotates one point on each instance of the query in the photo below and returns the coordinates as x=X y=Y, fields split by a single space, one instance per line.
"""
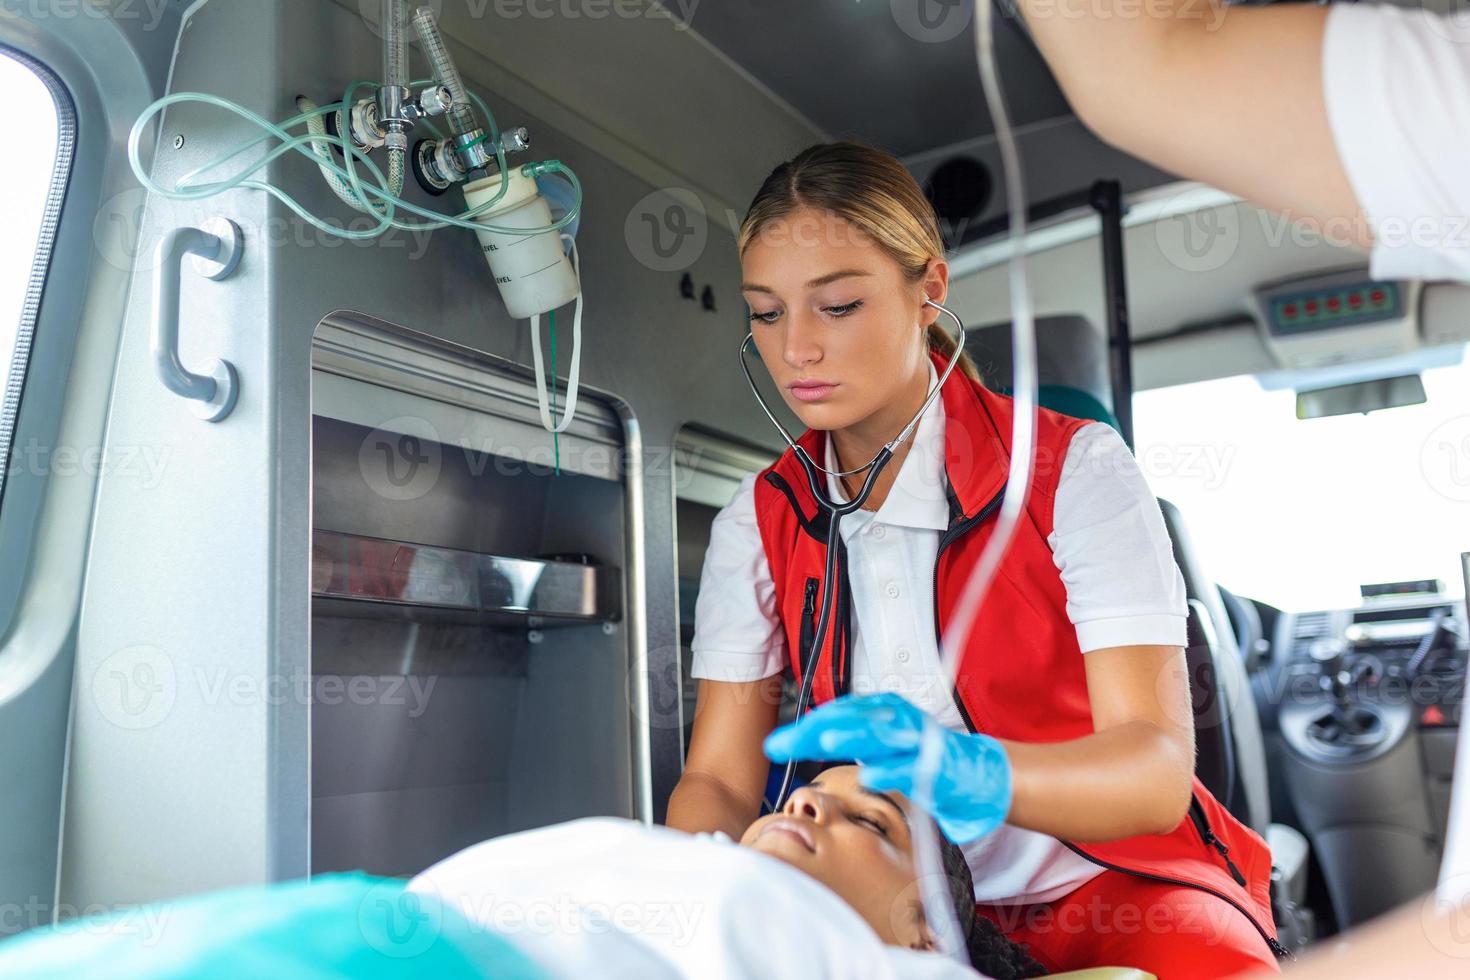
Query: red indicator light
x=1311 y=306
x=1378 y=296
x=1355 y=300
x=1334 y=304
x=1290 y=310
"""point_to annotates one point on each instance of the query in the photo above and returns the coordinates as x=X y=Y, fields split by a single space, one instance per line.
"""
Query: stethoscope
x=838 y=511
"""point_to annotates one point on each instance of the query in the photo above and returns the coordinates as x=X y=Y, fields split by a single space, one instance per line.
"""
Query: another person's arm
x=1232 y=96
x=1421 y=938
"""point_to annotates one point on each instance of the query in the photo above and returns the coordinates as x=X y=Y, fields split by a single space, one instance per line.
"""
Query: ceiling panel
x=899 y=74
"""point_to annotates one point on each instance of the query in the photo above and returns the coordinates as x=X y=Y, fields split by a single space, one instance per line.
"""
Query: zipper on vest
x=808 y=631
x=1278 y=950
x=1202 y=824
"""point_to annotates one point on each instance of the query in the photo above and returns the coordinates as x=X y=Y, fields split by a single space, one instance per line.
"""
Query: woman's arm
x=1231 y=96
x=725 y=774
x=1134 y=774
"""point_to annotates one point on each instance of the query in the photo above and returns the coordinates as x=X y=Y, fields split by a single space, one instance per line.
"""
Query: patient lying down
x=825 y=888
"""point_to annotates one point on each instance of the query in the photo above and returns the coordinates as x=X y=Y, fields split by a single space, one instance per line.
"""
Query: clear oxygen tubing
x=316 y=124
x=934 y=888
x=378 y=199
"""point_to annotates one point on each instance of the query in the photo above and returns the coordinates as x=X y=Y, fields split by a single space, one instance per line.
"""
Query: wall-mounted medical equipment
x=533 y=261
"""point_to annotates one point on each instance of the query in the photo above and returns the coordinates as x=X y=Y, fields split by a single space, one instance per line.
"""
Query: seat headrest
x=1070 y=352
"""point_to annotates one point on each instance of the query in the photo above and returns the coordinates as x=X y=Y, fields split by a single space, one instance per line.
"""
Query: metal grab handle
x=216 y=250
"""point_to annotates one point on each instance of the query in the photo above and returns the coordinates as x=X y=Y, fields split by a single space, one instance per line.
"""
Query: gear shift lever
x=1347 y=724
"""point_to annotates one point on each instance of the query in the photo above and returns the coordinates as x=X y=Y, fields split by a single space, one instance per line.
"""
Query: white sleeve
x=1112 y=548
x=1397 y=89
x=737 y=629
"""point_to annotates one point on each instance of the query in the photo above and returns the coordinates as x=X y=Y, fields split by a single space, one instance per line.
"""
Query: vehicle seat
x=1250 y=636
x=1231 y=758
x=1230 y=752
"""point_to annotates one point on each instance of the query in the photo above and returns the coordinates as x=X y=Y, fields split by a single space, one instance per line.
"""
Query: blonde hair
x=870 y=190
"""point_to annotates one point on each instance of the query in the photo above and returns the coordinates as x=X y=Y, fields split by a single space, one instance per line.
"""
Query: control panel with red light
x=1335 y=306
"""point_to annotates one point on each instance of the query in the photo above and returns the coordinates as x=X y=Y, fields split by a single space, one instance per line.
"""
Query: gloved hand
x=972 y=793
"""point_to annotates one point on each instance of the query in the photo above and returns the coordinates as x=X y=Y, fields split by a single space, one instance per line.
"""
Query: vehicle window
x=1299 y=513
x=24 y=238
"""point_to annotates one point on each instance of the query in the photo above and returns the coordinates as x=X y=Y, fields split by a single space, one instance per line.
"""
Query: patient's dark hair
x=991 y=952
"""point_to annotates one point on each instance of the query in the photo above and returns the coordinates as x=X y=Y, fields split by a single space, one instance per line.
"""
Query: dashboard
x=1393 y=650
x=1360 y=710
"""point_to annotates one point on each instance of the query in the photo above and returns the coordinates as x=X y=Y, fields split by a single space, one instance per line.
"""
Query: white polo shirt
x=1109 y=544
x=1397 y=88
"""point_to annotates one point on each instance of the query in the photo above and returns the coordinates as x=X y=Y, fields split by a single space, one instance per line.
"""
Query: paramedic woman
x=1075 y=666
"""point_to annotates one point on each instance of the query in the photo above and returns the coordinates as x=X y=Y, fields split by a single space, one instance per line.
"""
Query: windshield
x=1298 y=513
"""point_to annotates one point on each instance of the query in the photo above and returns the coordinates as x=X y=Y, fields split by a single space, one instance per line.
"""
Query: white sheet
x=609 y=897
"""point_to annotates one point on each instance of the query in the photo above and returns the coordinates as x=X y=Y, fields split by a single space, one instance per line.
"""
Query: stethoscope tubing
x=836 y=512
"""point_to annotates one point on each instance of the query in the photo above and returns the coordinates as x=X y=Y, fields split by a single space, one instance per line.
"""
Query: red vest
x=1021 y=676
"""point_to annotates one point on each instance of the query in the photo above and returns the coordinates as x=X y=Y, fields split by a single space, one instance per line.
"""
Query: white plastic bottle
x=532 y=271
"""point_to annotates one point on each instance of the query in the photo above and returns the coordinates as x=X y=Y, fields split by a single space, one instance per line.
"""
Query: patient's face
x=856 y=842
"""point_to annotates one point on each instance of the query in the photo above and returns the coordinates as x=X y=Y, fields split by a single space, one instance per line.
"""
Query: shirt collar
x=917 y=498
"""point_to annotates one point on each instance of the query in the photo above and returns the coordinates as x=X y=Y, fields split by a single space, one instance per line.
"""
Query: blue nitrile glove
x=972 y=793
